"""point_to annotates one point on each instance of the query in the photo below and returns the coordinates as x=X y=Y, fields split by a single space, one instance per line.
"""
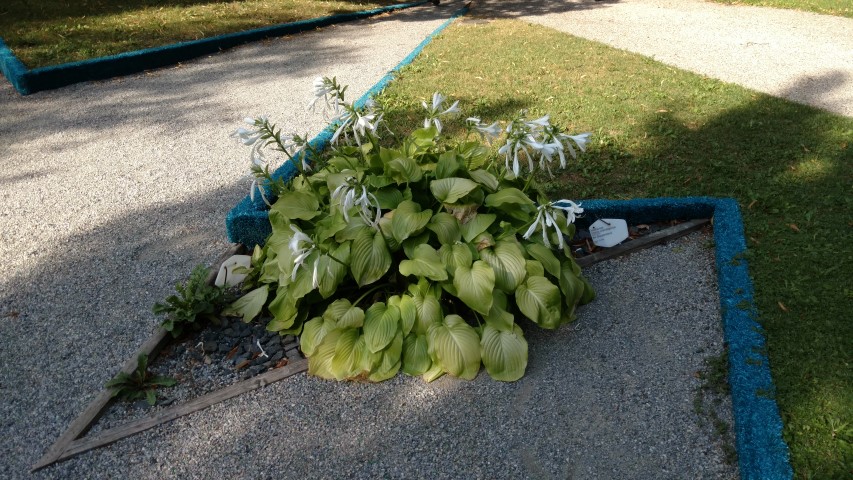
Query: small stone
x=229 y=332
x=273 y=349
x=255 y=369
x=209 y=346
x=225 y=347
x=275 y=358
x=287 y=339
x=207 y=360
x=293 y=354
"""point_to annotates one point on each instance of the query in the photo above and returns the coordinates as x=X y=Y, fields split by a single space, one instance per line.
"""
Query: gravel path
x=801 y=56
x=110 y=192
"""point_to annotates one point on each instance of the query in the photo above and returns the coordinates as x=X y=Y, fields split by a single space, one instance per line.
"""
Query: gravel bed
x=613 y=395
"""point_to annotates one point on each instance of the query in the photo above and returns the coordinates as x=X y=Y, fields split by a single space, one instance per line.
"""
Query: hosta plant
x=420 y=256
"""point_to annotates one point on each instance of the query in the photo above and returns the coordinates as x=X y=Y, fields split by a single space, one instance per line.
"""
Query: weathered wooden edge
x=655 y=238
x=131 y=428
x=151 y=347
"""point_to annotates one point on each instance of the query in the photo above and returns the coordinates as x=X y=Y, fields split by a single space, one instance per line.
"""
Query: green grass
x=660 y=131
x=842 y=8
x=51 y=32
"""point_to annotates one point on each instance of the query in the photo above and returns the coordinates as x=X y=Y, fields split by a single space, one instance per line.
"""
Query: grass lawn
x=50 y=32
x=842 y=8
x=660 y=131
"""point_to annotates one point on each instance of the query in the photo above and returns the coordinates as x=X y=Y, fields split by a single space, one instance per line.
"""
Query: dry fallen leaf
x=751 y=204
x=794 y=228
x=783 y=307
x=281 y=363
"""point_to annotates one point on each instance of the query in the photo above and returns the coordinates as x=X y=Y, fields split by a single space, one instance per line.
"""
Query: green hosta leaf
x=456 y=255
x=297 y=205
x=499 y=319
x=391 y=361
x=408 y=311
x=329 y=226
x=534 y=269
x=404 y=170
x=370 y=257
x=588 y=292
x=320 y=362
x=313 y=333
x=446 y=228
x=408 y=220
x=477 y=225
x=389 y=198
x=504 y=353
x=344 y=363
x=330 y=273
x=411 y=243
x=355 y=226
x=508 y=199
x=485 y=179
x=539 y=300
x=455 y=346
x=450 y=190
x=448 y=165
x=434 y=373
x=571 y=285
x=546 y=257
x=284 y=310
x=304 y=282
x=249 y=305
x=424 y=137
x=427 y=305
x=426 y=263
x=474 y=154
x=366 y=361
x=474 y=286
x=381 y=323
x=343 y=314
x=507 y=260
x=416 y=359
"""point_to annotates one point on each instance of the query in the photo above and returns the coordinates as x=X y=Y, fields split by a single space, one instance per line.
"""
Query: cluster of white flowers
x=435 y=110
x=527 y=140
x=351 y=194
x=301 y=246
x=546 y=217
x=489 y=132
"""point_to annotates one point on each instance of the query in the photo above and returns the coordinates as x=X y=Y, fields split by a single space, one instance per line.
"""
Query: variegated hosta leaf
x=504 y=353
x=344 y=314
x=381 y=324
x=416 y=359
x=408 y=220
x=545 y=256
x=474 y=286
x=446 y=228
x=507 y=260
x=424 y=263
x=249 y=305
x=391 y=361
x=451 y=190
x=455 y=255
x=370 y=257
x=477 y=225
x=539 y=300
x=455 y=346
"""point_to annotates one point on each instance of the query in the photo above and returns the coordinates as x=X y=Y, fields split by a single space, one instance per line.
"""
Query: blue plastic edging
x=46 y=78
x=248 y=222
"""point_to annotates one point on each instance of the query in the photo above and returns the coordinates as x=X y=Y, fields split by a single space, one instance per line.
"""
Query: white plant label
x=608 y=232
x=226 y=275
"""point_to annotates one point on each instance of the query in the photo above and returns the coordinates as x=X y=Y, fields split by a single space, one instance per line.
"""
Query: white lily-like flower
x=434 y=111
x=489 y=132
x=350 y=194
x=326 y=89
x=546 y=218
x=520 y=140
x=301 y=246
x=249 y=136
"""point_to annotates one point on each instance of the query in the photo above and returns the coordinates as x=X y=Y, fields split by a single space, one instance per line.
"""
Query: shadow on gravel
x=521 y=8
x=71 y=322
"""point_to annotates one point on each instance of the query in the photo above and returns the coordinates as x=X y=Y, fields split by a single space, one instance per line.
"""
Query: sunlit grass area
x=50 y=32
x=842 y=8
x=660 y=131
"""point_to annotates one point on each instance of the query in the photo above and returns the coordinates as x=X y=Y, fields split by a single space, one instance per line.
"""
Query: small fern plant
x=139 y=384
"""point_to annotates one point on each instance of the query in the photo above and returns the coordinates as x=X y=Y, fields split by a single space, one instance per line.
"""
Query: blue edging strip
x=47 y=78
x=248 y=222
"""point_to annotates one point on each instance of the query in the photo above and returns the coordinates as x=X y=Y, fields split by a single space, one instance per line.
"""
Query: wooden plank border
x=93 y=411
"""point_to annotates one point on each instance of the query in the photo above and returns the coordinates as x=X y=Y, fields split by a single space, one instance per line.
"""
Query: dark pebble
x=229 y=332
x=276 y=357
x=210 y=346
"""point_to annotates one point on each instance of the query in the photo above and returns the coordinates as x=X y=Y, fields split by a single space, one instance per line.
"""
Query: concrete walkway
x=801 y=56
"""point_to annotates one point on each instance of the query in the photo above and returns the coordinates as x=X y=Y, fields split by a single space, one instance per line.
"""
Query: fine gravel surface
x=110 y=193
x=613 y=395
x=801 y=56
